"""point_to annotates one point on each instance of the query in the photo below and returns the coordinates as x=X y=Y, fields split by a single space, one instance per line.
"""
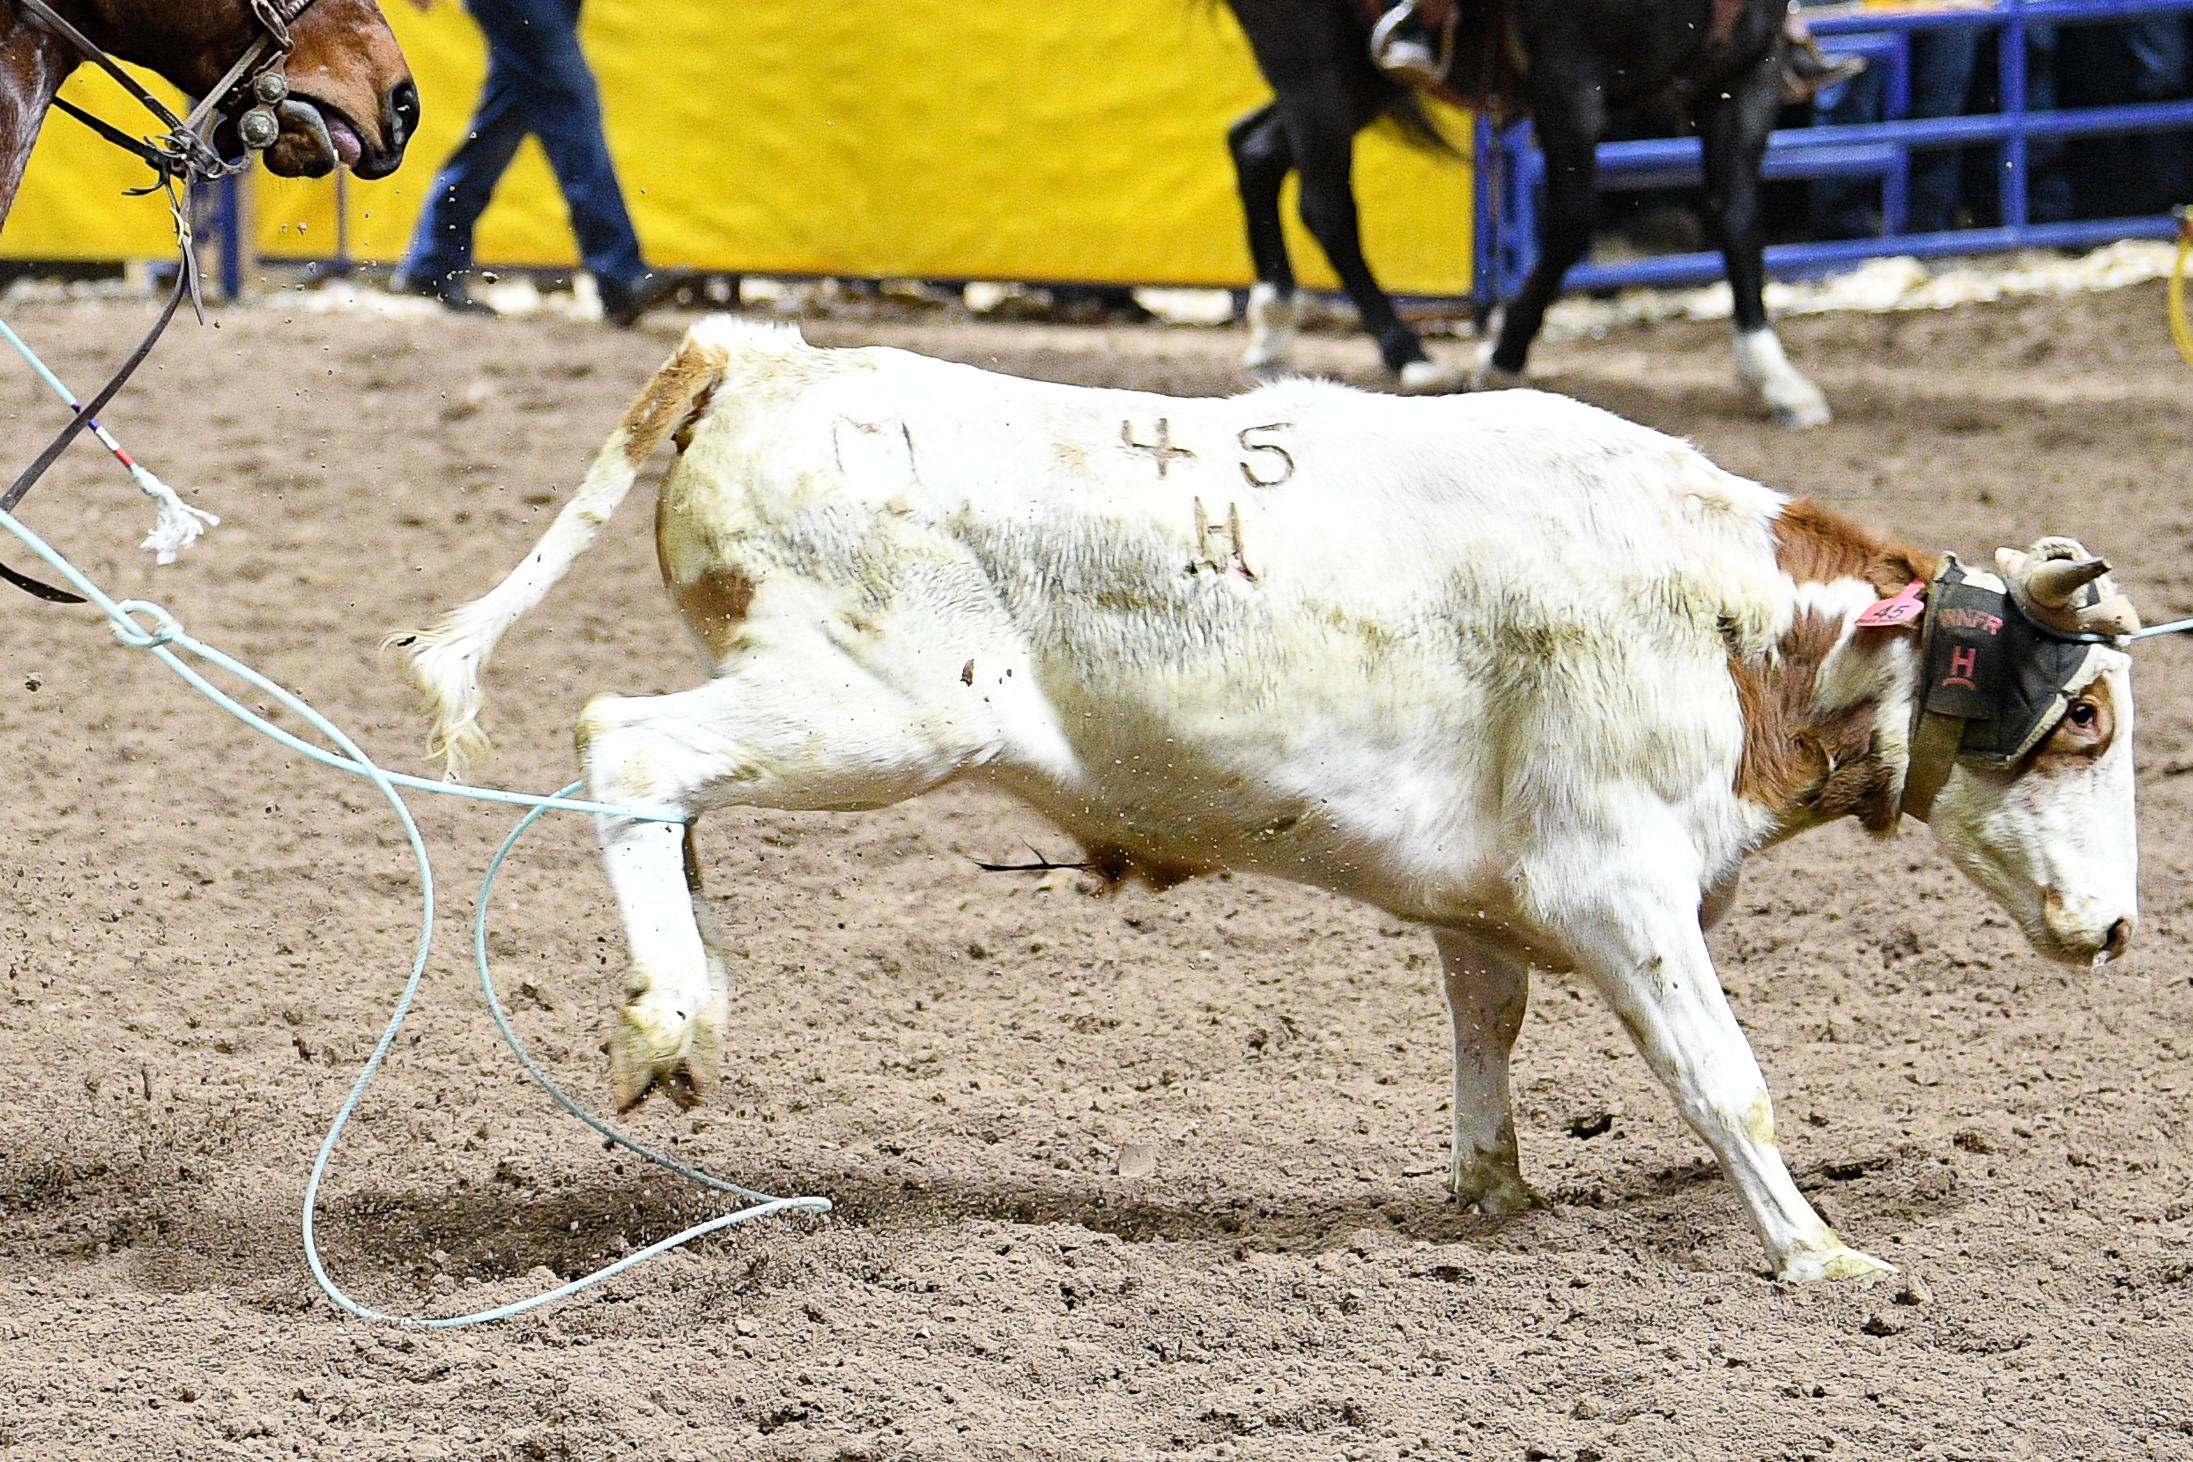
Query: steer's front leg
x=1631 y=920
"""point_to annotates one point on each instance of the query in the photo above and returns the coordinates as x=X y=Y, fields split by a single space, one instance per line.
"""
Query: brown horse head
x=352 y=101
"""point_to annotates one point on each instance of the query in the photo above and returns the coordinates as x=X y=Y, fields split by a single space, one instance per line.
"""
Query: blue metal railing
x=1512 y=170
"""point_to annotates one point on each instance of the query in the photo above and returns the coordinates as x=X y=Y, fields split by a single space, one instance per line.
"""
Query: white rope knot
x=165 y=632
x=178 y=525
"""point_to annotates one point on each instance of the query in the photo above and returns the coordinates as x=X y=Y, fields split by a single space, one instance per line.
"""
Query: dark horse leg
x=1262 y=159
x=1568 y=102
x=1313 y=52
x=1733 y=127
x=1321 y=131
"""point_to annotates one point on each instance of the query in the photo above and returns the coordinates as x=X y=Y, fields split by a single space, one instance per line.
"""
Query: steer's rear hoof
x=1490 y=1185
x=660 y=1049
x=1430 y=378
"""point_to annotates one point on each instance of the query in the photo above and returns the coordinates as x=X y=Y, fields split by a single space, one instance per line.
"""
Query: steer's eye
x=2083 y=715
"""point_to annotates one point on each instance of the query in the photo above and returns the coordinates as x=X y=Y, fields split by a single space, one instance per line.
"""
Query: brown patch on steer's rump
x=672 y=397
x=1804 y=763
x=715 y=605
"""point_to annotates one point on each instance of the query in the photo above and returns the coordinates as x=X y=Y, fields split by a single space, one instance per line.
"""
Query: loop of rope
x=164 y=640
x=126 y=630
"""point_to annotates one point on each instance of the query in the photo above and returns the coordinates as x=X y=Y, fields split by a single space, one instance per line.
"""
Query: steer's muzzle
x=2083 y=931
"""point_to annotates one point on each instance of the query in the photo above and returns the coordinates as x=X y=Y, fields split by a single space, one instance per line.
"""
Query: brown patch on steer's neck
x=1804 y=763
x=1813 y=545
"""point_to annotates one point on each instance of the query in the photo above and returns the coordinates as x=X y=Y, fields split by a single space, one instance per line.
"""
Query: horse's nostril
x=403 y=111
x=2120 y=938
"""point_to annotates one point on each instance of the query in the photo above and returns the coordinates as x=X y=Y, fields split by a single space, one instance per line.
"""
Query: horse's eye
x=2083 y=715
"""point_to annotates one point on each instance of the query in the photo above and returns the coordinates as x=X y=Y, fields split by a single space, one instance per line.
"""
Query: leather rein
x=185 y=154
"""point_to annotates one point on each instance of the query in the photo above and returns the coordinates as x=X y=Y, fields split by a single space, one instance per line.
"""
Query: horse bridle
x=186 y=154
x=187 y=150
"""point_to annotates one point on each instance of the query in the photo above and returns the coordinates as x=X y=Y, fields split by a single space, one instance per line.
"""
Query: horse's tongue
x=347 y=146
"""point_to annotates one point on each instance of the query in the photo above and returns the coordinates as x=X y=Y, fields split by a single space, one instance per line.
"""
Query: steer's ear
x=1897 y=565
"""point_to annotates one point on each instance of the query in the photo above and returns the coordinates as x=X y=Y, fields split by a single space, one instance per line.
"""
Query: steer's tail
x=445 y=661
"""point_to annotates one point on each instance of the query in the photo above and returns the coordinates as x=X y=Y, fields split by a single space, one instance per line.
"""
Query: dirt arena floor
x=204 y=935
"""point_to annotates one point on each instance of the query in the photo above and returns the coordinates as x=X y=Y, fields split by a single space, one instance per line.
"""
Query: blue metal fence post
x=230 y=208
x=2012 y=58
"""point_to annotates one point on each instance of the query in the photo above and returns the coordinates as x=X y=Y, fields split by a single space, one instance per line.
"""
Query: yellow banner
x=869 y=138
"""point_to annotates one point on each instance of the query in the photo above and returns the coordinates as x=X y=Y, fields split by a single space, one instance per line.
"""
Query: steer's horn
x=2052 y=582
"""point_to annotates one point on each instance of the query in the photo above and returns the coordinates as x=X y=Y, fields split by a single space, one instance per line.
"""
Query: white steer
x=1505 y=665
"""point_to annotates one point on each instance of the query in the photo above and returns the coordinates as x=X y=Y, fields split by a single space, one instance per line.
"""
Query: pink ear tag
x=1903 y=609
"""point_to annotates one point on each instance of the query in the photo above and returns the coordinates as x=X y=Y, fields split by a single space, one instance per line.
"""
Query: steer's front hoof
x=1835 y=1261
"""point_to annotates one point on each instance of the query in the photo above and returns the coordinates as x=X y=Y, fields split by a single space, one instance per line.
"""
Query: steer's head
x=2038 y=806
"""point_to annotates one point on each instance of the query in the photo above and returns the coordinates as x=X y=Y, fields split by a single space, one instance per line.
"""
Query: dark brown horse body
x=1569 y=64
x=352 y=100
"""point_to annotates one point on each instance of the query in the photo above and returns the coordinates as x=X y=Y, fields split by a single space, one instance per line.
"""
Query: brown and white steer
x=1504 y=665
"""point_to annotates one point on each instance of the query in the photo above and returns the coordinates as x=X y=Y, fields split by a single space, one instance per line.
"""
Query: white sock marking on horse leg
x=1271 y=333
x=1761 y=365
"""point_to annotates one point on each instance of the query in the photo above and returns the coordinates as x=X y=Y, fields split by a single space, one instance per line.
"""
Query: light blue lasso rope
x=164 y=639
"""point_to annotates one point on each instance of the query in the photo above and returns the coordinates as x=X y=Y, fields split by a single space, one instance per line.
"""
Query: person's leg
x=2159 y=73
x=441 y=244
x=1941 y=74
x=2048 y=185
x=564 y=110
x=1841 y=207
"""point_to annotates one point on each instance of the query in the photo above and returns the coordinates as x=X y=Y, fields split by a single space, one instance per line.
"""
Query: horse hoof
x=1269 y=372
x=1761 y=364
x=1802 y=415
x=1430 y=378
x=1490 y=1187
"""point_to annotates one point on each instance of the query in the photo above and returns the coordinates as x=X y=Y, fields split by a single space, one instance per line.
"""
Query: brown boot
x=1807 y=70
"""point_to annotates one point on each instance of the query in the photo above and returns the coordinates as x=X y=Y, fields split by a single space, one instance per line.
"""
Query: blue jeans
x=1941 y=74
x=538 y=83
x=2161 y=71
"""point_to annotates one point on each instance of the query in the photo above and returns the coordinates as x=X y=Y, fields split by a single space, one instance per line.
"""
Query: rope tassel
x=177 y=524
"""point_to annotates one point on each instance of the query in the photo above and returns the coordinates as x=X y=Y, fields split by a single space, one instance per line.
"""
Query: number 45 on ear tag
x=1903 y=609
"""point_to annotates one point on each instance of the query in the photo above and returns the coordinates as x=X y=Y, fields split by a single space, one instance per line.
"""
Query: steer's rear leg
x=826 y=736
x=1486 y=996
